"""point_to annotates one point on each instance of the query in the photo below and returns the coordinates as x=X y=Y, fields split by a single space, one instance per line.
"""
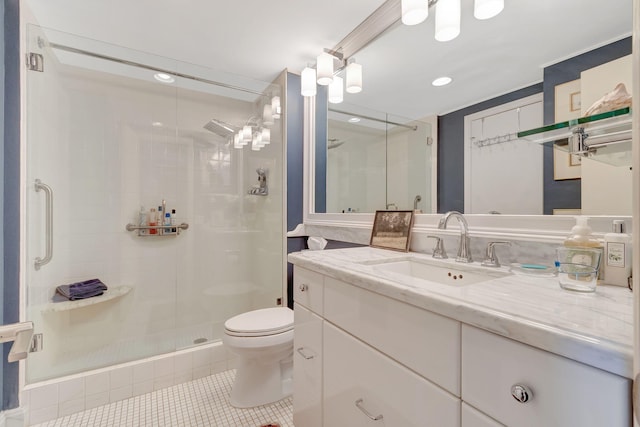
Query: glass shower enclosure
x=112 y=134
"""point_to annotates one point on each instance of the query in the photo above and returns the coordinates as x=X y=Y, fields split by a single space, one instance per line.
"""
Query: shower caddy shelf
x=109 y=294
x=605 y=137
x=161 y=229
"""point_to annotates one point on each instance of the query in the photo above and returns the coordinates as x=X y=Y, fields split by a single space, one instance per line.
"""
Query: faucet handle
x=438 y=250
x=491 y=260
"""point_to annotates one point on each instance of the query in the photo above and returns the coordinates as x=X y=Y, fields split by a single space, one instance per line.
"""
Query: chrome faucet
x=417 y=199
x=464 y=250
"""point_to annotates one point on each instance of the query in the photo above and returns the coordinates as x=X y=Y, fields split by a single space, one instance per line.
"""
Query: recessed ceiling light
x=156 y=124
x=164 y=78
x=441 y=81
x=354 y=120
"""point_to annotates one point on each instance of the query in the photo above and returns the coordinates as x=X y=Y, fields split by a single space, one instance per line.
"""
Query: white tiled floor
x=201 y=403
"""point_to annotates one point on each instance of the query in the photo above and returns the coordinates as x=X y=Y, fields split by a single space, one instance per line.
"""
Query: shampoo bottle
x=142 y=220
x=581 y=237
x=617 y=250
x=153 y=218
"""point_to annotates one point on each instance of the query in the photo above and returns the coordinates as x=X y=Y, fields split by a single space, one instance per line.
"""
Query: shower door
x=112 y=133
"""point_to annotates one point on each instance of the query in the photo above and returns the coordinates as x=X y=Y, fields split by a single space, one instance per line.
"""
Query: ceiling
x=259 y=39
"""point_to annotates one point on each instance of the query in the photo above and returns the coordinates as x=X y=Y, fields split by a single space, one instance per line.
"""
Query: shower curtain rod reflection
x=151 y=68
x=362 y=116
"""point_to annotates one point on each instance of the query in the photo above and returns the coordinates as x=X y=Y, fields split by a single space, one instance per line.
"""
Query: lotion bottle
x=617 y=250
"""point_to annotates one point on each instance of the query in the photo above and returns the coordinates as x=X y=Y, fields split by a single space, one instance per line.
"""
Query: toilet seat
x=260 y=323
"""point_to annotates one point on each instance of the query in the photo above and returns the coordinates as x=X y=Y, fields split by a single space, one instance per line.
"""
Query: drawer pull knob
x=303 y=287
x=521 y=393
x=302 y=353
x=359 y=404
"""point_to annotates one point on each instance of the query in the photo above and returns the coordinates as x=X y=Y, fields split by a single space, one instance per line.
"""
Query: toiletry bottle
x=617 y=255
x=173 y=221
x=160 y=219
x=153 y=218
x=581 y=237
x=142 y=221
x=167 y=221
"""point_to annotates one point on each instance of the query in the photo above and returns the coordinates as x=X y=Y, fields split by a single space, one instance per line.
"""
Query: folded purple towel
x=81 y=290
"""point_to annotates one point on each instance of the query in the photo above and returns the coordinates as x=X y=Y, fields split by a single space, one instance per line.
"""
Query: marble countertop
x=595 y=329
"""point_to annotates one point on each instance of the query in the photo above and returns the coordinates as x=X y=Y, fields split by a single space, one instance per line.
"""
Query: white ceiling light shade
x=447 y=20
x=266 y=136
x=237 y=142
x=336 y=90
x=441 y=81
x=164 y=78
x=246 y=133
x=325 y=69
x=414 y=11
x=276 y=108
x=308 y=82
x=267 y=115
x=485 y=9
x=354 y=77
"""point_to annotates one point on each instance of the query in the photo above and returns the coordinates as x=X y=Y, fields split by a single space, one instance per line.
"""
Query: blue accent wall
x=11 y=192
x=566 y=194
x=295 y=171
x=451 y=148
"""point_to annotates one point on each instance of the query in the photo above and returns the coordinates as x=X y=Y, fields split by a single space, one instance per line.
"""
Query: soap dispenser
x=617 y=255
x=581 y=237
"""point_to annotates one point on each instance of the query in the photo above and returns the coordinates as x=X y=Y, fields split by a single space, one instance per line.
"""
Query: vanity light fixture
x=336 y=91
x=266 y=136
x=246 y=133
x=447 y=20
x=275 y=107
x=267 y=115
x=237 y=141
x=324 y=65
x=414 y=11
x=447 y=14
x=308 y=81
x=441 y=81
x=164 y=78
x=485 y=9
x=354 y=76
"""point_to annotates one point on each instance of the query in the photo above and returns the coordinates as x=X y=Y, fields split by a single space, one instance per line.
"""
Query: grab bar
x=39 y=262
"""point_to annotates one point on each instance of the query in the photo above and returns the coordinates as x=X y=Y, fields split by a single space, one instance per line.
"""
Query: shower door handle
x=48 y=192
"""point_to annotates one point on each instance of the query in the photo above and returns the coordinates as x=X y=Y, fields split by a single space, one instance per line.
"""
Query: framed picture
x=392 y=230
x=567 y=107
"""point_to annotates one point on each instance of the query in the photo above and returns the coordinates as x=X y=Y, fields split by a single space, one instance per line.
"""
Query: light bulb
x=414 y=11
x=308 y=82
x=354 y=77
x=447 y=20
x=336 y=91
x=325 y=69
x=485 y=9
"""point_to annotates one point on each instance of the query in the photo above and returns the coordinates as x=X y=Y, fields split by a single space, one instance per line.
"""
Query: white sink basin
x=452 y=275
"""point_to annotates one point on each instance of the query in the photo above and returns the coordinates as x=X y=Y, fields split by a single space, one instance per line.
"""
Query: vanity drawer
x=423 y=341
x=307 y=368
x=471 y=417
x=308 y=289
x=361 y=384
x=561 y=392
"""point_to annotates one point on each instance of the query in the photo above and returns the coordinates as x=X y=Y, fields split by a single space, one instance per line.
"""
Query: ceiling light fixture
x=485 y=9
x=441 y=81
x=447 y=14
x=267 y=115
x=164 y=78
x=266 y=136
x=327 y=74
x=275 y=107
x=354 y=120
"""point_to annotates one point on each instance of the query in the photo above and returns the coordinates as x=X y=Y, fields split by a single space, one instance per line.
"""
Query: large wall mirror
x=517 y=67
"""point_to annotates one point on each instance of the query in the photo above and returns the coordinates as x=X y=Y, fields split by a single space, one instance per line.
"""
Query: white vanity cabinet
x=552 y=390
x=307 y=348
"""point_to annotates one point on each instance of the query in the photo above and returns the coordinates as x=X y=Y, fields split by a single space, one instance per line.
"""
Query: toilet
x=263 y=341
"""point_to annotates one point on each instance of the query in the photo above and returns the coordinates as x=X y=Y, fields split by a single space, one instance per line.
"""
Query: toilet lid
x=266 y=321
